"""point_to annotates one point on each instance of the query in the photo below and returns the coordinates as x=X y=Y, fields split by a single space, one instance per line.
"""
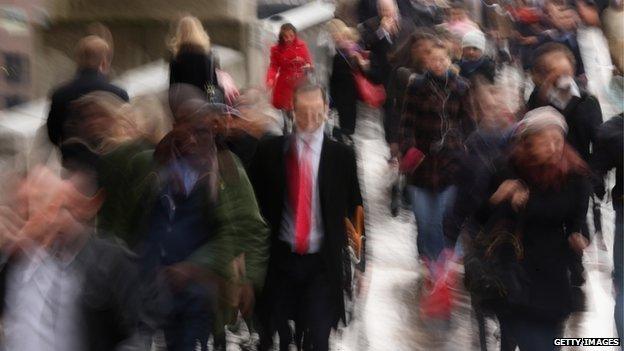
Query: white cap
x=539 y=119
x=474 y=39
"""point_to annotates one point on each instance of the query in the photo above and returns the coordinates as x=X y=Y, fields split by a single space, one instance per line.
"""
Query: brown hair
x=283 y=29
x=308 y=85
x=402 y=57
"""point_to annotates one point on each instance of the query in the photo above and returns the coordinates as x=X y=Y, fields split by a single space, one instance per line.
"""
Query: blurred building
x=139 y=29
x=16 y=50
x=37 y=37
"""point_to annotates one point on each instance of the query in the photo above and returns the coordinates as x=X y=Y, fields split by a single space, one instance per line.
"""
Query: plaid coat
x=436 y=119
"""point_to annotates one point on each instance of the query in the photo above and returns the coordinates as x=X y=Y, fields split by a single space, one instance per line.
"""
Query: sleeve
x=173 y=77
x=55 y=121
x=407 y=137
x=593 y=118
x=577 y=216
x=273 y=70
x=601 y=162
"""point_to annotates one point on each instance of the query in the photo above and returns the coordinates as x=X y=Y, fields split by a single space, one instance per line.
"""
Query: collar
x=88 y=72
x=313 y=139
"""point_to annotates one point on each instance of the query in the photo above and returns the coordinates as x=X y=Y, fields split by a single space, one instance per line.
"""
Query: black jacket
x=86 y=81
x=339 y=195
x=343 y=92
x=583 y=116
x=549 y=217
x=109 y=299
x=193 y=66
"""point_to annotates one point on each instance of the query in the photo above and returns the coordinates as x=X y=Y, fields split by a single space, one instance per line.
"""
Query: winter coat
x=285 y=70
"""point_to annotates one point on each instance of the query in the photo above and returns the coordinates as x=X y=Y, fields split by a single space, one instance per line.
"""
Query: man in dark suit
x=93 y=57
x=306 y=185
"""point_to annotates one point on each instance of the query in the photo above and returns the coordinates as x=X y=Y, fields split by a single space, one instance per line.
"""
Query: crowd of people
x=172 y=220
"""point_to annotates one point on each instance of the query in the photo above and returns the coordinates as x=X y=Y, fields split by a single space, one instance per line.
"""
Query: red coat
x=285 y=70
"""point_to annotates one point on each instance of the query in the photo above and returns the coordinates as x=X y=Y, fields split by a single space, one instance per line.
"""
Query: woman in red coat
x=289 y=61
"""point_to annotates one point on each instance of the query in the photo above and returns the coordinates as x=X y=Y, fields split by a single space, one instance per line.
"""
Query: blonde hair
x=189 y=31
x=338 y=27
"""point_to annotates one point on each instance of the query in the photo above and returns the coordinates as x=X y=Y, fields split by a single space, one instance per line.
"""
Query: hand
x=578 y=242
x=519 y=199
x=180 y=275
x=528 y=40
x=246 y=300
x=389 y=25
x=505 y=191
x=394 y=150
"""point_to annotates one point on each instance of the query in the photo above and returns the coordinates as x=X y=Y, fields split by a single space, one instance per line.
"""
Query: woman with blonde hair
x=193 y=62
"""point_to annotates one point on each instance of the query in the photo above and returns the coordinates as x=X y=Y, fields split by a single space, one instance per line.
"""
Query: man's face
x=554 y=66
x=309 y=110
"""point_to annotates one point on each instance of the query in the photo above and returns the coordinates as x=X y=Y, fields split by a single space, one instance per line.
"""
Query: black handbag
x=494 y=274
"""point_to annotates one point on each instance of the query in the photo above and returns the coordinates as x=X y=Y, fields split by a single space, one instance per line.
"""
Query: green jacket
x=239 y=227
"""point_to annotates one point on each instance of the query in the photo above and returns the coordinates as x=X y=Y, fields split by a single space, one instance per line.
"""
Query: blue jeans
x=429 y=207
x=618 y=274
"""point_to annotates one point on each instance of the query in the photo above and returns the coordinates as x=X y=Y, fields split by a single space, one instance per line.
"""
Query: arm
x=55 y=121
x=577 y=216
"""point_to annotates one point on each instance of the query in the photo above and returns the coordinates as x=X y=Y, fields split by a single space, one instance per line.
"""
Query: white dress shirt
x=315 y=142
x=42 y=307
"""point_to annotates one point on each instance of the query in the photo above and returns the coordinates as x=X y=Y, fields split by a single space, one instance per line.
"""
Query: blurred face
x=546 y=147
x=457 y=15
x=420 y=50
x=588 y=13
x=471 y=53
x=438 y=61
x=554 y=66
x=309 y=111
x=288 y=36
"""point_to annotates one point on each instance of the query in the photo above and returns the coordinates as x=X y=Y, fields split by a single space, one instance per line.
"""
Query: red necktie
x=300 y=191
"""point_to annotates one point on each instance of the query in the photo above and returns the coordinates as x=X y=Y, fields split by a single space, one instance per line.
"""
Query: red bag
x=411 y=160
x=374 y=95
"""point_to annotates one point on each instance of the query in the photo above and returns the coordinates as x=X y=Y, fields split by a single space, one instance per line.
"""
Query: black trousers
x=301 y=293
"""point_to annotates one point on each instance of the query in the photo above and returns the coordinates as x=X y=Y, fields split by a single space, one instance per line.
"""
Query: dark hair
x=307 y=85
x=402 y=57
x=285 y=27
x=547 y=49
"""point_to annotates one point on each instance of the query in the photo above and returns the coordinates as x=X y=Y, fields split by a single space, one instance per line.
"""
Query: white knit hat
x=474 y=39
x=539 y=119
